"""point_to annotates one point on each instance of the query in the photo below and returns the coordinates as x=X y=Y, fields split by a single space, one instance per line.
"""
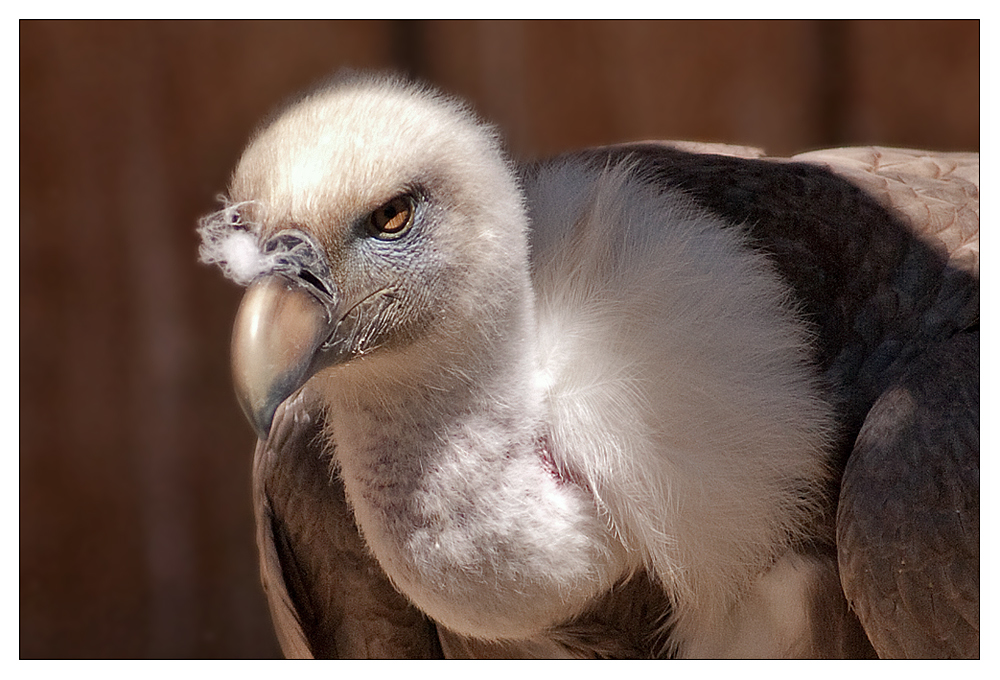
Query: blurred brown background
x=136 y=535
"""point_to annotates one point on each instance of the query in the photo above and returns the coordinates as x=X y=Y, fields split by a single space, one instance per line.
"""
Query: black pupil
x=392 y=217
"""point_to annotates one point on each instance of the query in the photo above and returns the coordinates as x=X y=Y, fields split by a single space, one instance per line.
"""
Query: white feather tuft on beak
x=234 y=245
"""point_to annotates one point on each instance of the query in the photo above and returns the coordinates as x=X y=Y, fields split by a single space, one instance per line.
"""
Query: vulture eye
x=393 y=219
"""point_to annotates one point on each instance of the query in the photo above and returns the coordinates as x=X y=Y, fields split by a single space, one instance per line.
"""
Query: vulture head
x=531 y=387
x=396 y=231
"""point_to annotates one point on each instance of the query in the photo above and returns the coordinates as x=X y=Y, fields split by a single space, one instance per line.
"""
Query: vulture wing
x=908 y=519
x=882 y=249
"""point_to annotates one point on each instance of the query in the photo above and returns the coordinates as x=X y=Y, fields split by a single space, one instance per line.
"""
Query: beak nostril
x=313 y=280
x=298 y=255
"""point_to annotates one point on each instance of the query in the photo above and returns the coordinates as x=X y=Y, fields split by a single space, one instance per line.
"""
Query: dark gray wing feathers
x=908 y=520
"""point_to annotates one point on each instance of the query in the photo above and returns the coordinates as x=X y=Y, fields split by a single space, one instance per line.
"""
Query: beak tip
x=261 y=422
x=260 y=416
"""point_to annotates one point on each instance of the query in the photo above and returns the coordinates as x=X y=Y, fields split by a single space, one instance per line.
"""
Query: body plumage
x=595 y=406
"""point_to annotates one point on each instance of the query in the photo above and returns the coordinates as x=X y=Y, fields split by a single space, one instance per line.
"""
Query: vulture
x=646 y=400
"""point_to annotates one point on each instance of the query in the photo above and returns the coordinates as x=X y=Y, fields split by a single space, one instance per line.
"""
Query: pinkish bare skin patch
x=549 y=463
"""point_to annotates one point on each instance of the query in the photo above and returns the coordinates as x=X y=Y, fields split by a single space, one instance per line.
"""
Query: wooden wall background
x=136 y=535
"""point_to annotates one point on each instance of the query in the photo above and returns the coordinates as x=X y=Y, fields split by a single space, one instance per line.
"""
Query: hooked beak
x=278 y=337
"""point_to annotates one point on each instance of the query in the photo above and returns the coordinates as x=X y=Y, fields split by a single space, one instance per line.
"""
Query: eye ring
x=392 y=219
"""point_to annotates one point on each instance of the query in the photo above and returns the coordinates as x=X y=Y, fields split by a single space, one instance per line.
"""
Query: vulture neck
x=440 y=446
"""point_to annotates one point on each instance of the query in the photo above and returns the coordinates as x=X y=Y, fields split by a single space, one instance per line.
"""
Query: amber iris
x=392 y=219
